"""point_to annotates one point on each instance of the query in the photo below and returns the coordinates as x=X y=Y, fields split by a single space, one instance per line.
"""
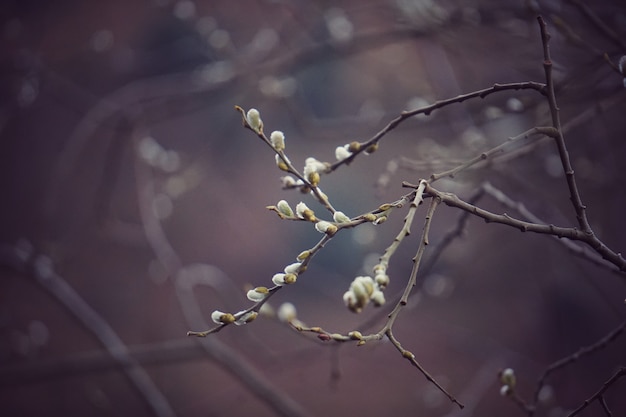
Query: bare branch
x=453 y=200
x=427 y=110
x=598 y=395
x=582 y=352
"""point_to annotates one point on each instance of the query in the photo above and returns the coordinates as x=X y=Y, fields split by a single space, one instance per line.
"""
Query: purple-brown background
x=84 y=83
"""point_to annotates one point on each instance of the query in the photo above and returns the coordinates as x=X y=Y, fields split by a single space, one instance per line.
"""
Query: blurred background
x=134 y=205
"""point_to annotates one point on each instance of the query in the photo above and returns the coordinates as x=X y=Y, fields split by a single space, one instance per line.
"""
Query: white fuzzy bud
x=286 y=312
x=378 y=298
x=219 y=317
x=342 y=152
x=284 y=208
x=349 y=299
x=505 y=390
x=277 y=138
x=362 y=287
x=288 y=181
x=293 y=268
x=313 y=165
x=257 y=294
x=304 y=212
x=339 y=217
x=382 y=280
x=279 y=279
x=300 y=209
x=325 y=227
x=253 y=117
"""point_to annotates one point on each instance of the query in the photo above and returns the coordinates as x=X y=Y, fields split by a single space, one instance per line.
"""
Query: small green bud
x=370 y=217
x=281 y=164
x=354 y=146
x=372 y=148
x=284 y=207
x=355 y=335
x=290 y=278
x=314 y=178
x=380 y=220
x=303 y=255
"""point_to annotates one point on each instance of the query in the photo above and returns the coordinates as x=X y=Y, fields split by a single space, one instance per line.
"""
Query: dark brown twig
x=582 y=251
x=598 y=395
x=582 y=352
x=427 y=110
x=403 y=301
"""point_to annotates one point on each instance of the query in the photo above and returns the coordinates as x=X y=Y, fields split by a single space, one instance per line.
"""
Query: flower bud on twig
x=507 y=377
x=303 y=255
x=279 y=279
x=219 y=317
x=326 y=227
x=339 y=217
x=277 y=139
x=354 y=147
x=280 y=163
x=284 y=208
x=253 y=117
x=293 y=268
x=304 y=212
x=257 y=294
x=288 y=181
x=342 y=152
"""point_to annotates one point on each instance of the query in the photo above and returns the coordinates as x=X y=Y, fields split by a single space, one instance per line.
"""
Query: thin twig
x=605 y=406
x=427 y=110
x=321 y=197
x=256 y=307
x=598 y=395
x=403 y=300
x=580 y=209
x=547 y=131
x=575 y=198
x=235 y=364
x=411 y=358
x=453 y=200
x=582 y=352
x=582 y=251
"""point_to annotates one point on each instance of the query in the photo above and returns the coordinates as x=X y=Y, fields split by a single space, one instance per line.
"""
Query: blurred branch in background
x=42 y=269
